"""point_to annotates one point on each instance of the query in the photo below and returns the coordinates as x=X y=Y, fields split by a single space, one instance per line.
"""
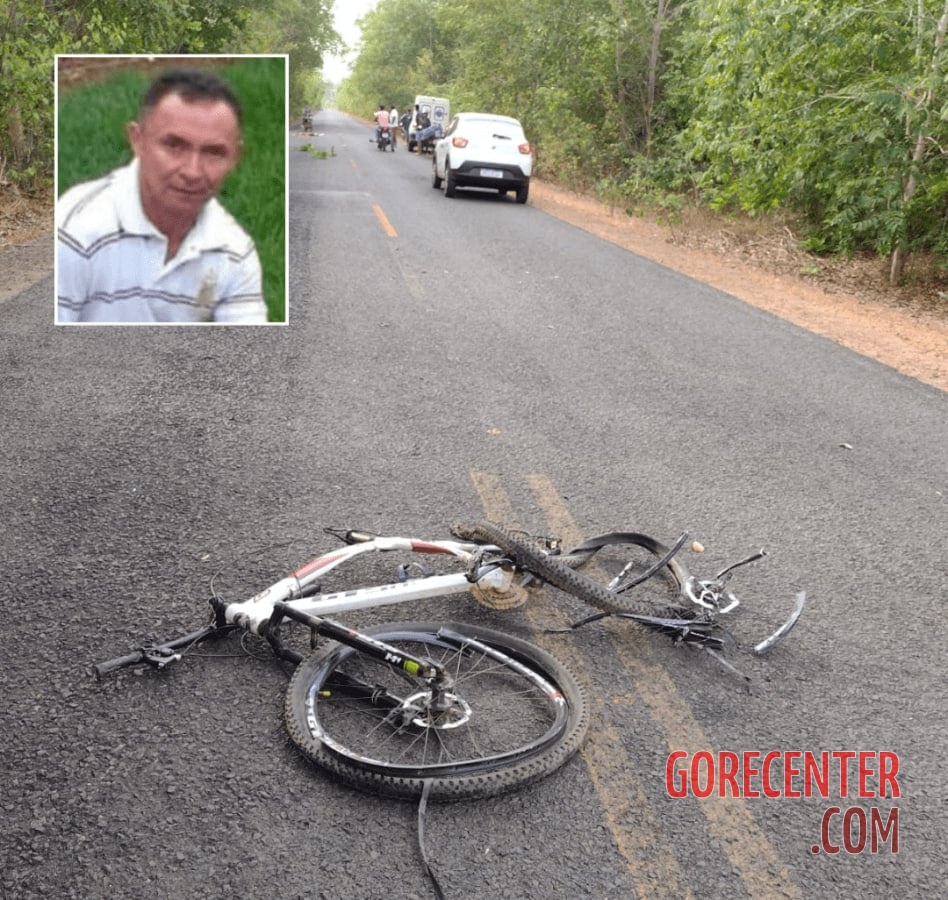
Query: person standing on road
x=393 y=125
x=149 y=242
x=422 y=123
x=381 y=122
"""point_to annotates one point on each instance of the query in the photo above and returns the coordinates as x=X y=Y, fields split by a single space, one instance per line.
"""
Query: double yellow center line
x=635 y=827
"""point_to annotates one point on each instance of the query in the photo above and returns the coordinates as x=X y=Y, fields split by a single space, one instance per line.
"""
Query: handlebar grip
x=120 y=662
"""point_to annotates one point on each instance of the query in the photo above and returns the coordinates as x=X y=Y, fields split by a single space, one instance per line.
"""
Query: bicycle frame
x=495 y=576
x=291 y=592
x=298 y=597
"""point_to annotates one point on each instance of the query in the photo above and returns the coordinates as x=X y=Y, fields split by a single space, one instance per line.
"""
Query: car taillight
x=525 y=148
x=459 y=142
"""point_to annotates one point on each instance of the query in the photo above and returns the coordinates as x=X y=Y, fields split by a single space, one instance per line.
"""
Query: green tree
x=303 y=30
x=26 y=32
x=402 y=54
x=926 y=122
x=32 y=32
x=823 y=106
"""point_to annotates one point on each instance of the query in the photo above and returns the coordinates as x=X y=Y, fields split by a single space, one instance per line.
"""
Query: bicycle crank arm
x=784 y=629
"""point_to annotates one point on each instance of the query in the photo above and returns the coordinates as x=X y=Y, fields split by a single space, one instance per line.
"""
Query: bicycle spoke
x=400 y=735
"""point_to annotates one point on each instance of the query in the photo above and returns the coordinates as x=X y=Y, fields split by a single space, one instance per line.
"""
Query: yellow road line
x=391 y=232
x=729 y=819
x=622 y=798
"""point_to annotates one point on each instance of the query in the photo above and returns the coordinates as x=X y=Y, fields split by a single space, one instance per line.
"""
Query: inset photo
x=171 y=190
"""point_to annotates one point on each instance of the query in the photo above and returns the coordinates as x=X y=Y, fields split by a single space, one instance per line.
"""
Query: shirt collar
x=132 y=218
x=128 y=202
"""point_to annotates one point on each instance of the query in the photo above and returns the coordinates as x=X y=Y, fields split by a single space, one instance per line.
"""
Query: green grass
x=91 y=142
x=317 y=154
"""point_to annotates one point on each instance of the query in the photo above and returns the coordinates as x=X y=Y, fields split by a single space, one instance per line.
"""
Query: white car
x=481 y=150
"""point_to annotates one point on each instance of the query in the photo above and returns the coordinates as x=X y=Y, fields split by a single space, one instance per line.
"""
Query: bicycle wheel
x=514 y=713
x=643 y=572
x=635 y=553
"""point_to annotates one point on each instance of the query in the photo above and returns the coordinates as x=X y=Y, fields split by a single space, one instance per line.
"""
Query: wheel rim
x=500 y=711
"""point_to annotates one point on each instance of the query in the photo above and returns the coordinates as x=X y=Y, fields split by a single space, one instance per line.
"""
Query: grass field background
x=91 y=141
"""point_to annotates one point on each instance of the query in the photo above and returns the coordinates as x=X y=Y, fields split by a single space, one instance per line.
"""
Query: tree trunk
x=897 y=265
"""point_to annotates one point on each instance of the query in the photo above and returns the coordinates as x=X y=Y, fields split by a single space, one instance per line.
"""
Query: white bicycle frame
x=483 y=570
x=254 y=613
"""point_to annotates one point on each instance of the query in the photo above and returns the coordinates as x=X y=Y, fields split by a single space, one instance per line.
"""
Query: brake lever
x=351 y=536
x=159 y=657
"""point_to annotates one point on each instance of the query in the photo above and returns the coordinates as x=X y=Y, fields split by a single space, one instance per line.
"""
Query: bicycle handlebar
x=120 y=662
x=162 y=653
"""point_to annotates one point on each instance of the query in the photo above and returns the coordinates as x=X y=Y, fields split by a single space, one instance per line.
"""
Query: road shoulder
x=914 y=345
x=23 y=265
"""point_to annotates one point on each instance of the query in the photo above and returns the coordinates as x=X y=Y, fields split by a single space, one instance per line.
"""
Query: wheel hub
x=450 y=712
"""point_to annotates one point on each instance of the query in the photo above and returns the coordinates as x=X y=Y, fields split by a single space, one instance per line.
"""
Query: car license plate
x=492 y=173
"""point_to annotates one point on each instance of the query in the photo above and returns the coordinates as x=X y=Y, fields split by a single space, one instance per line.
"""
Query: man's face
x=185 y=148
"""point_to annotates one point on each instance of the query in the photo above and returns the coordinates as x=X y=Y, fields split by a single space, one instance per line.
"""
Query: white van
x=438 y=111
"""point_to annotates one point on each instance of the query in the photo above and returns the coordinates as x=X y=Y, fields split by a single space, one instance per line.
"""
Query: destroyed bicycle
x=444 y=711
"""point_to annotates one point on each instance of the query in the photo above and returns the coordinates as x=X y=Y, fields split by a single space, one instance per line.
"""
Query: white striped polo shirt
x=110 y=261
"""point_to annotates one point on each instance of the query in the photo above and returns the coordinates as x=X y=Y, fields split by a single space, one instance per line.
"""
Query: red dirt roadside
x=900 y=328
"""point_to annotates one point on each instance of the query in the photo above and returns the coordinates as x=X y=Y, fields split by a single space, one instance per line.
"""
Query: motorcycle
x=384 y=140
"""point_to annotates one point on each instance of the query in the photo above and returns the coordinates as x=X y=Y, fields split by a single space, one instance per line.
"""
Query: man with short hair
x=149 y=242
x=393 y=124
x=381 y=121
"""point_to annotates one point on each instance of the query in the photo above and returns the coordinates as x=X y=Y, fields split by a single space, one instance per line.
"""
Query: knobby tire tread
x=507 y=776
x=553 y=571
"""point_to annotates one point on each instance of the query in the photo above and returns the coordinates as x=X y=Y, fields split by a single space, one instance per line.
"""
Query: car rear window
x=499 y=130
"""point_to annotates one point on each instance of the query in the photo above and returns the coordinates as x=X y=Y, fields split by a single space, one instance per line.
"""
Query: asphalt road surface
x=449 y=360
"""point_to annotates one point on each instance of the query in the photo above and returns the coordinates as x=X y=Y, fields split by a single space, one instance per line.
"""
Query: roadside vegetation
x=830 y=111
x=32 y=32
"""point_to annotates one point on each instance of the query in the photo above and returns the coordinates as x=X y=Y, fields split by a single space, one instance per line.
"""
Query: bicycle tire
x=552 y=570
x=527 y=715
x=628 y=560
